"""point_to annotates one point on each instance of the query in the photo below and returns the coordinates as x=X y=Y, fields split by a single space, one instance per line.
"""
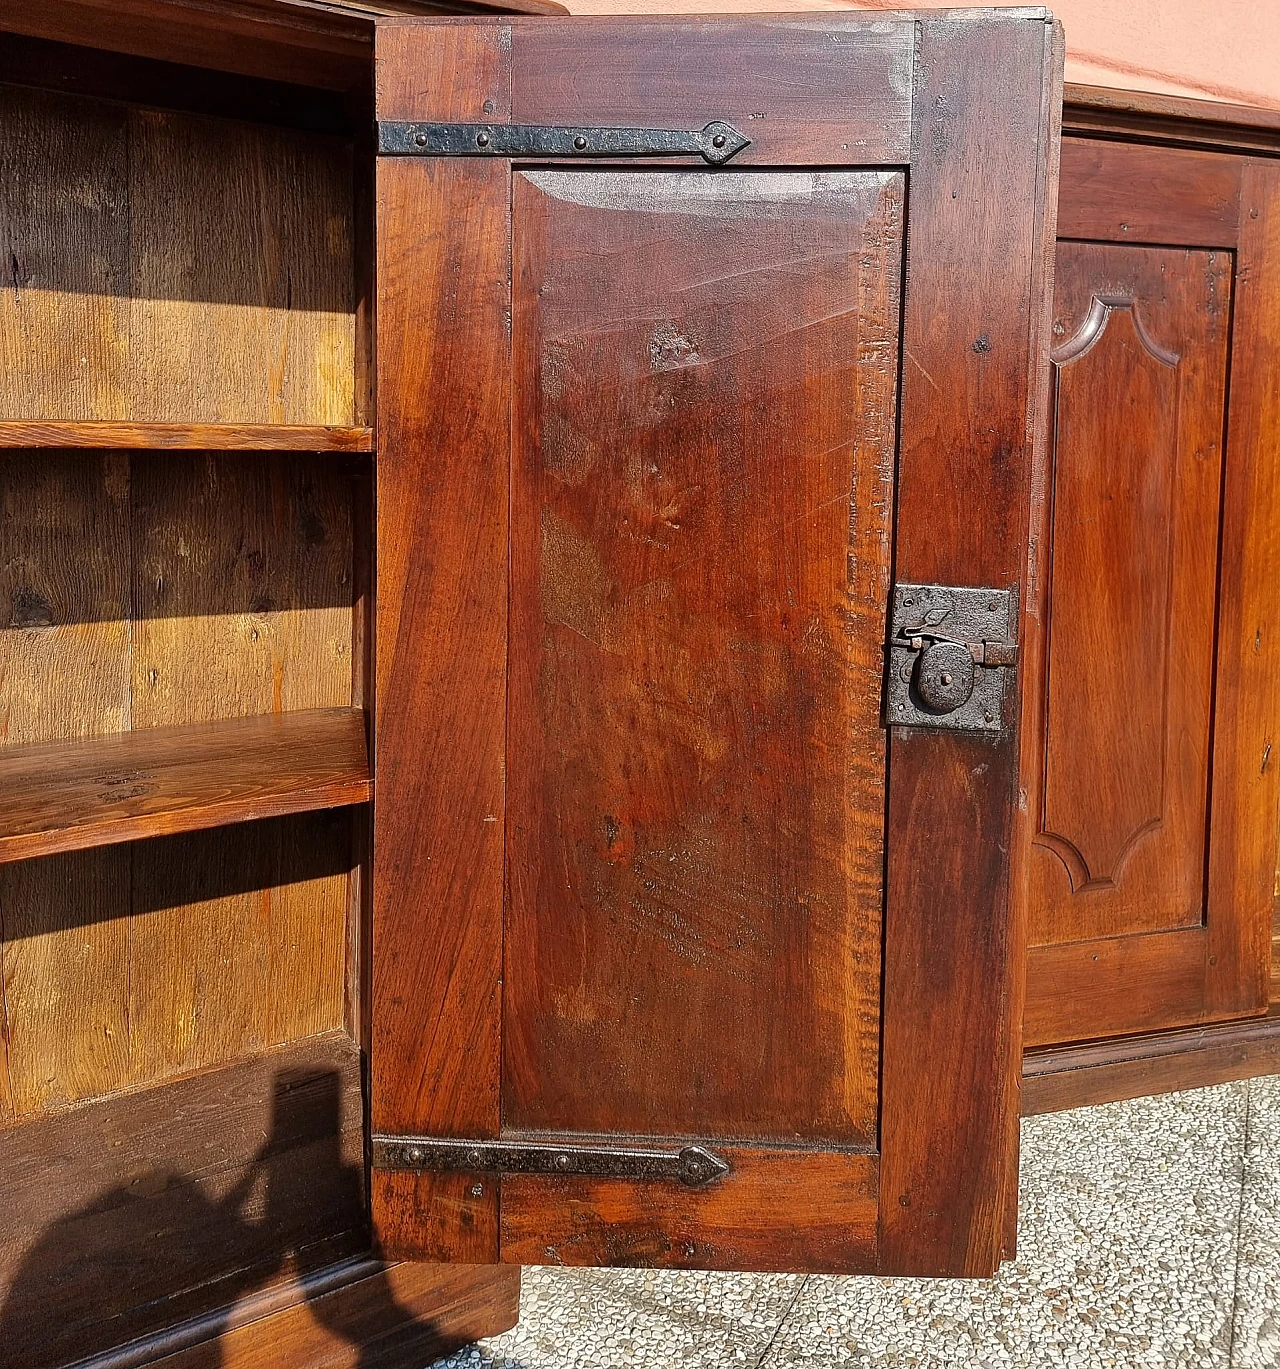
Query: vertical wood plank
x=443 y=385
x=64 y=672
x=66 y=980
x=64 y=276
x=1246 y=744
x=242 y=591
x=952 y=1050
x=241 y=256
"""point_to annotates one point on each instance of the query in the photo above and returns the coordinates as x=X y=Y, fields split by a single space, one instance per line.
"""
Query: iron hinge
x=691 y=1165
x=951 y=651
x=715 y=144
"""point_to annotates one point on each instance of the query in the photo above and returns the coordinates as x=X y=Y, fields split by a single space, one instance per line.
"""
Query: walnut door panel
x=1120 y=844
x=703 y=448
x=649 y=868
x=1149 y=780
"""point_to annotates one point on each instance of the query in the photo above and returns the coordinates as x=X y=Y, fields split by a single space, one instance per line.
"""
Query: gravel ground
x=1149 y=1238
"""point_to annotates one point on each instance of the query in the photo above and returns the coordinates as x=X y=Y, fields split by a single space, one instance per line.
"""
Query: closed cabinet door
x=708 y=360
x=1153 y=647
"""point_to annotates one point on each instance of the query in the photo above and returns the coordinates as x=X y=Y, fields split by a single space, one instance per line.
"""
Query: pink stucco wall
x=1214 y=49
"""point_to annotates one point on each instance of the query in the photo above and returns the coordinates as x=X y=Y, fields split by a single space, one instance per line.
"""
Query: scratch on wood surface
x=922 y=371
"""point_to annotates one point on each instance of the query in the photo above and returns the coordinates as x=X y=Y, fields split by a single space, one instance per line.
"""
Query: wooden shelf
x=200 y=437
x=65 y=796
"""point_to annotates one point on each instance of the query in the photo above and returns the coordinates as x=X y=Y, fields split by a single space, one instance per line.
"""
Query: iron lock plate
x=691 y=1165
x=715 y=144
x=951 y=652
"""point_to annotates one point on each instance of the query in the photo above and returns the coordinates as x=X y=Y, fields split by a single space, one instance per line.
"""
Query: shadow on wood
x=156 y=1223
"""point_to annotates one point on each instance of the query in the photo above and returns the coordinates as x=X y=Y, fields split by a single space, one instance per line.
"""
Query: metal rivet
x=990 y=717
x=482 y=140
x=719 y=140
x=562 y=1162
x=415 y=1155
x=420 y=139
x=473 y=1159
x=946 y=677
x=579 y=142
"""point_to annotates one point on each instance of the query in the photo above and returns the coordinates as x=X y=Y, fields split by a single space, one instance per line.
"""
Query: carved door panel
x=659 y=901
x=1152 y=808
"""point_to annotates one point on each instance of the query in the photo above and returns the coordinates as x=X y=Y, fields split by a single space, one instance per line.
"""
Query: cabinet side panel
x=1246 y=763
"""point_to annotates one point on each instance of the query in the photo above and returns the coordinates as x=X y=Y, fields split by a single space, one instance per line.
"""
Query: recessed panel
x=705 y=370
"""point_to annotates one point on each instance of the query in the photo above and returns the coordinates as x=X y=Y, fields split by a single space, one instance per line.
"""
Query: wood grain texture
x=309 y=47
x=950 y=1110
x=1222 y=969
x=65 y=796
x=64 y=308
x=224 y=216
x=241 y=600
x=443 y=387
x=65 y=961
x=127 y=1214
x=192 y=237
x=952 y=1049
x=1141 y=115
x=253 y=437
x=242 y=587
x=793 y=1210
x=702 y=488
x=1246 y=767
x=1138 y=982
x=1127 y=192
x=64 y=674
x=395 y=1317
x=1057 y=1078
x=822 y=90
x=1121 y=814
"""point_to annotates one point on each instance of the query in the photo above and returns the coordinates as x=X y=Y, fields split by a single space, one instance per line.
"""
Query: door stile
x=972 y=376
x=444 y=381
x=1245 y=783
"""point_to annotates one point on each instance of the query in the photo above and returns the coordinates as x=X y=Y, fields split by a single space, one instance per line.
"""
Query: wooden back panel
x=171 y=267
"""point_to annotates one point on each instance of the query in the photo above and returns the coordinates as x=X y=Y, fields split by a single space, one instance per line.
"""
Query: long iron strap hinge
x=691 y=1165
x=951 y=651
x=715 y=144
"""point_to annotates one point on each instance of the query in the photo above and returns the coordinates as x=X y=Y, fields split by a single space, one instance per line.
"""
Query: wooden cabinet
x=1154 y=640
x=186 y=485
x=681 y=957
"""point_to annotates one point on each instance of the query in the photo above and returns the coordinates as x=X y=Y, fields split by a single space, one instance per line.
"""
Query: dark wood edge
x=1140 y=116
x=23 y=434
x=258 y=1306
x=263 y=1311
x=951 y=1040
x=1059 y=1077
x=1077 y=98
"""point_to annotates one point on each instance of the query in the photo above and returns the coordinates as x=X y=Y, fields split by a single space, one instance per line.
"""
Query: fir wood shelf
x=65 y=796
x=200 y=437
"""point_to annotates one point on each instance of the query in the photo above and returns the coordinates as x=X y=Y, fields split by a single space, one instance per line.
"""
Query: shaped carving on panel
x=1111 y=595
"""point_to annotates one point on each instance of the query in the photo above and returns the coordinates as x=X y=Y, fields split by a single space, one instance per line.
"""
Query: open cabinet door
x=708 y=362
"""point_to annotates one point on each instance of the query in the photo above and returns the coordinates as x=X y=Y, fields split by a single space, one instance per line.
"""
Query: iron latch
x=691 y=1165
x=951 y=650
x=715 y=144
